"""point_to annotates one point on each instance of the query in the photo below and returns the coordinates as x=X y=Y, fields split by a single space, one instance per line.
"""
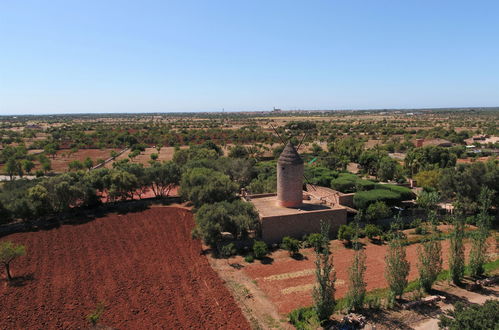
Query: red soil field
x=60 y=163
x=143 y=266
x=289 y=282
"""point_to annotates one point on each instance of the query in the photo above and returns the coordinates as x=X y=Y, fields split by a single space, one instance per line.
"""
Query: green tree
x=456 y=253
x=478 y=253
x=28 y=166
x=163 y=178
x=377 y=211
x=292 y=245
x=428 y=179
x=429 y=261
x=260 y=249
x=50 y=149
x=323 y=292
x=396 y=266
x=75 y=165
x=154 y=156
x=237 y=218
x=238 y=151
x=372 y=231
x=203 y=185
x=346 y=233
x=13 y=167
x=88 y=163
x=123 y=184
x=356 y=279
x=387 y=169
x=158 y=147
x=8 y=253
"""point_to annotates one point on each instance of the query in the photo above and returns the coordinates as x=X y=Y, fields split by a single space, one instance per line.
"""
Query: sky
x=86 y=56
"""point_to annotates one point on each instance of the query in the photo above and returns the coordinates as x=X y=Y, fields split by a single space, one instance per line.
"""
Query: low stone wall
x=346 y=199
x=274 y=228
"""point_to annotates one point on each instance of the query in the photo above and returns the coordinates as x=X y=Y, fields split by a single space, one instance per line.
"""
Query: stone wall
x=274 y=228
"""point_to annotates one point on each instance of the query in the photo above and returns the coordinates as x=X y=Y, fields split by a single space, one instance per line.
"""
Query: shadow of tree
x=19 y=281
x=267 y=260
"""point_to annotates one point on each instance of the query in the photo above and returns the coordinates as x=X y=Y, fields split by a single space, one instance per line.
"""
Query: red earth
x=144 y=267
x=288 y=282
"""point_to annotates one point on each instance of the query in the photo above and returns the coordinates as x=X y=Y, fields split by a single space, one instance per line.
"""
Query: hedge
x=405 y=193
x=345 y=185
x=363 y=199
x=362 y=185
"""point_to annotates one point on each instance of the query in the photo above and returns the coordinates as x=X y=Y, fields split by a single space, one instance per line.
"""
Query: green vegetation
x=474 y=317
x=292 y=245
x=429 y=261
x=478 y=253
x=94 y=317
x=456 y=255
x=260 y=249
x=8 y=253
x=236 y=217
x=377 y=211
x=323 y=292
x=204 y=185
x=356 y=281
x=396 y=265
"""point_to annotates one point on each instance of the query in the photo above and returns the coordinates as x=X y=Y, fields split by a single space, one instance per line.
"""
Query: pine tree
x=323 y=293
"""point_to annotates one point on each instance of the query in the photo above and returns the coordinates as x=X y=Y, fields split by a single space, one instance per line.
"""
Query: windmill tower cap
x=290 y=156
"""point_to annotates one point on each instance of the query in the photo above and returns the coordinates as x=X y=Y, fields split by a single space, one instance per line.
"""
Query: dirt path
x=456 y=294
x=258 y=309
x=143 y=266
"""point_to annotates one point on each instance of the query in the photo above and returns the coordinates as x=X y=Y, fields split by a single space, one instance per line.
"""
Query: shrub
x=95 y=316
x=320 y=175
x=249 y=258
x=378 y=210
x=372 y=231
x=345 y=185
x=474 y=317
x=404 y=192
x=363 y=199
x=315 y=241
x=346 y=233
x=304 y=318
x=228 y=250
x=291 y=245
x=260 y=249
x=361 y=185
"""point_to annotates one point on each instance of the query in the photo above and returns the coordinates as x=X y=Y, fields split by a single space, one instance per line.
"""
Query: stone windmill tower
x=289 y=177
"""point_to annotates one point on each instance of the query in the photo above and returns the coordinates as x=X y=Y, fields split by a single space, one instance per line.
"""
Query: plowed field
x=144 y=267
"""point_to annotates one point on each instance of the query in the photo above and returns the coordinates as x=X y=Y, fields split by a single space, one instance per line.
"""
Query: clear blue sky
x=60 y=56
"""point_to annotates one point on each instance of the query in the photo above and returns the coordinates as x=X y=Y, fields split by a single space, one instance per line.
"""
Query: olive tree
x=8 y=253
x=203 y=185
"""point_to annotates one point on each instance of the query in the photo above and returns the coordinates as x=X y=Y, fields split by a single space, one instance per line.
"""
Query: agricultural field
x=203 y=263
x=143 y=267
x=288 y=282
